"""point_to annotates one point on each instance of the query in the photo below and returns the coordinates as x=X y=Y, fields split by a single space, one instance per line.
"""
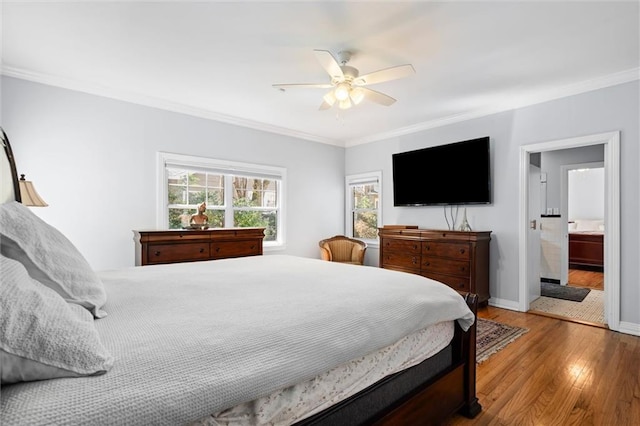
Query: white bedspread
x=192 y=339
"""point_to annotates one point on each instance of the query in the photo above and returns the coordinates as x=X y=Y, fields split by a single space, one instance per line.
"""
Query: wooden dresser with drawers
x=186 y=245
x=457 y=258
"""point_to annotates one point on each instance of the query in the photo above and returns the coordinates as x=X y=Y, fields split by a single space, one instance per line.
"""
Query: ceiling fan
x=347 y=85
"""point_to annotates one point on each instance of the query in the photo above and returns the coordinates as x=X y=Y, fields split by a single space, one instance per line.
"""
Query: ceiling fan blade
x=324 y=105
x=303 y=85
x=386 y=74
x=377 y=97
x=330 y=64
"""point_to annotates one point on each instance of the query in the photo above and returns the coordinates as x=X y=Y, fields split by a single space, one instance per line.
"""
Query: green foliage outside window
x=250 y=198
x=257 y=218
x=365 y=211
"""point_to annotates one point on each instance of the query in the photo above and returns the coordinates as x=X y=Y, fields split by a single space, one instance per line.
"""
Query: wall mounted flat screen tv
x=452 y=174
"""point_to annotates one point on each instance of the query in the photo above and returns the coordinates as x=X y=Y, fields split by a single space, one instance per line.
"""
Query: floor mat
x=564 y=292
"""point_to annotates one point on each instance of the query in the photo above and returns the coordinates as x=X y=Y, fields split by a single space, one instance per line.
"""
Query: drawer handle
x=444 y=235
x=217 y=249
x=415 y=261
x=415 y=247
x=157 y=253
x=428 y=247
x=253 y=247
x=461 y=251
x=427 y=264
x=201 y=250
x=462 y=268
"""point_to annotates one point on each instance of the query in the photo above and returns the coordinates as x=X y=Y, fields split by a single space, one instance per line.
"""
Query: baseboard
x=550 y=280
x=504 y=304
x=629 y=328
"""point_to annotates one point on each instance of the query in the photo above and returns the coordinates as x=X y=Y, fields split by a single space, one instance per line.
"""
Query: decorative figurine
x=200 y=218
x=464 y=226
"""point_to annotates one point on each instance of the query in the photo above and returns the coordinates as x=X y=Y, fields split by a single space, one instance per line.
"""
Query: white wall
x=586 y=193
x=93 y=160
x=552 y=162
x=613 y=108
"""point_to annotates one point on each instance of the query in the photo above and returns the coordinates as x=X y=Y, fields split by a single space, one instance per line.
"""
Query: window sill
x=273 y=248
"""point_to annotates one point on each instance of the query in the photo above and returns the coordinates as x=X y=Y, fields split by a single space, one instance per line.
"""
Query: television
x=452 y=174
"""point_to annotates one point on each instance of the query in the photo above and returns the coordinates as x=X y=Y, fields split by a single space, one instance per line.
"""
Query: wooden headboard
x=9 y=186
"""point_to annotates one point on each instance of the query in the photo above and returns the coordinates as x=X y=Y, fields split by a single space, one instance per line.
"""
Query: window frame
x=227 y=168
x=360 y=179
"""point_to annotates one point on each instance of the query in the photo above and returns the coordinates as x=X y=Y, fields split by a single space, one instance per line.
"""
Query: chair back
x=343 y=249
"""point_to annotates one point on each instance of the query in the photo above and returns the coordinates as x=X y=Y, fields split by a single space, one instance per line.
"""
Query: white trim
x=539 y=97
x=164 y=159
x=140 y=99
x=504 y=304
x=564 y=214
x=164 y=104
x=629 y=328
x=611 y=142
x=375 y=176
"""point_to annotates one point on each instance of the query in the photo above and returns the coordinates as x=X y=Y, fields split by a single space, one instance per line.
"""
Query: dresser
x=457 y=258
x=178 y=245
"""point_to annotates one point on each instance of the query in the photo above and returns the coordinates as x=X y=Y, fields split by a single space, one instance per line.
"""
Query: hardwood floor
x=559 y=373
x=589 y=279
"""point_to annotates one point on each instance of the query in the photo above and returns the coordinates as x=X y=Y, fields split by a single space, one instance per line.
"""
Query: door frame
x=611 y=142
x=564 y=212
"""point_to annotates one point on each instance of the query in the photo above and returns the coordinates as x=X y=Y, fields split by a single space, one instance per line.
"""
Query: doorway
x=528 y=268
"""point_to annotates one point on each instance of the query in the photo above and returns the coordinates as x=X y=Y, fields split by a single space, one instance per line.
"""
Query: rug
x=591 y=309
x=564 y=292
x=493 y=336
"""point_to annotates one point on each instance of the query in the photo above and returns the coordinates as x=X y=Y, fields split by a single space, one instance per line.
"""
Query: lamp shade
x=29 y=194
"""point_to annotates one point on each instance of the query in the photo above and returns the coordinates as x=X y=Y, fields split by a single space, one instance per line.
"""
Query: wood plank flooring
x=589 y=279
x=559 y=373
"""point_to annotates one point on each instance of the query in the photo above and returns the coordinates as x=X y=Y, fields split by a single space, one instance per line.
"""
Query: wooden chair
x=343 y=249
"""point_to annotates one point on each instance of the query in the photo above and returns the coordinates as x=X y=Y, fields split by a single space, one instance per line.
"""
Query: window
x=236 y=194
x=363 y=206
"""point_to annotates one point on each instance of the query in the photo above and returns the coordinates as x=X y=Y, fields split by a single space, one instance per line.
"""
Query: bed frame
x=432 y=400
x=428 y=398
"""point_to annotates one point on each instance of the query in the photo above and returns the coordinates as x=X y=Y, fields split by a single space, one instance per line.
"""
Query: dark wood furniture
x=586 y=250
x=457 y=258
x=171 y=246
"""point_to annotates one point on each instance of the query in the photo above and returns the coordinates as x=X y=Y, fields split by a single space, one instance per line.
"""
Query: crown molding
x=164 y=104
x=549 y=95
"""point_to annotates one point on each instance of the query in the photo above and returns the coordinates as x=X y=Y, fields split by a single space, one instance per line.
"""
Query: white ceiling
x=219 y=59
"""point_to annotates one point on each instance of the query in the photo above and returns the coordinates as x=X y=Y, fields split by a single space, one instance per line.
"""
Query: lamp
x=29 y=195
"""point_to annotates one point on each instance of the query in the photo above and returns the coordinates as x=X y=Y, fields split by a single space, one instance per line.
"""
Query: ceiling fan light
x=330 y=98
x=342 y=92
x=357 y=96
x=345 y=104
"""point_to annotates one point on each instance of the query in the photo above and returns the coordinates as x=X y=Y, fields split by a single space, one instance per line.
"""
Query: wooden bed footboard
x=452 y=391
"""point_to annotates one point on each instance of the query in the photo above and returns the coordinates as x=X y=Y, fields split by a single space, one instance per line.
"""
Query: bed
x=259 y=340
x=586 y=244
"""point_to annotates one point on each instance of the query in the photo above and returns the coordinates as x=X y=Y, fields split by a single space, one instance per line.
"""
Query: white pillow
x=49 y=257
x=41 y=335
